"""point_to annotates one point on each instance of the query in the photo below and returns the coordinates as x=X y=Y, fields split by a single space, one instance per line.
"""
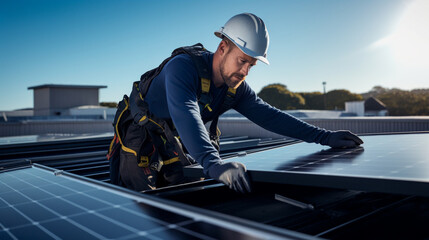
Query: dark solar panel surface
x=386 y=163
x=33 y=139
x=403 y=156
x=35 y=203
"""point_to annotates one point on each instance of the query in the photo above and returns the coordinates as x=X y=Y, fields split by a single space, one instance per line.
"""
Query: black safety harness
x=164 y=137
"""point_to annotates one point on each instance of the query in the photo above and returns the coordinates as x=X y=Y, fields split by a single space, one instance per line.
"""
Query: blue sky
x=351 y=45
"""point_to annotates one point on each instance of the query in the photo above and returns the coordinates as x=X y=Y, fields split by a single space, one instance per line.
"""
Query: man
x=174 y=95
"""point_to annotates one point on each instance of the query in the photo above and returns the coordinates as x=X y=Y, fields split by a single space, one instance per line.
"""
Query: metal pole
x=324 y=94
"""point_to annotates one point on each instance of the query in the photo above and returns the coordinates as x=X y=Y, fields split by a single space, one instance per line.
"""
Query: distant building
x=6 y=116
x=374 y=107
x=56 y=100
x=25 y=112
x=356 y=107
x=94 y=111
x=370 y=107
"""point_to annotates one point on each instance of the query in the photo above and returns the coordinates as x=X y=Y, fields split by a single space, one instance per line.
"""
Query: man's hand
x=343 y=139
x=232 y=174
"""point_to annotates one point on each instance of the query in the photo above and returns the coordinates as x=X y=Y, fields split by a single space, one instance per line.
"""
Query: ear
x=223 y=47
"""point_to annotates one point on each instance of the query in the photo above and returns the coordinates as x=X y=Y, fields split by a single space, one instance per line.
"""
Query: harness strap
x=229 y=99
x=228 y=103
x=177 y=145
x=204 y=73
x=205 y=99
x=194 y=51
x=141 y=116
x=140 y=110
x=205 y=85
x=124 y=106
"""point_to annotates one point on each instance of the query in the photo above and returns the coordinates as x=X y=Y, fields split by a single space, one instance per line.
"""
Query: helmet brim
x=263 y=59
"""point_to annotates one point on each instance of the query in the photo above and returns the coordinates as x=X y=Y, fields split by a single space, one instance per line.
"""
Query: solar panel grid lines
x=310 y=161
x=86 y=214
x=388 y=160
x=370 y=153
x=43 y=205
x=203 y=217
x=59 y=216
x=397 y=163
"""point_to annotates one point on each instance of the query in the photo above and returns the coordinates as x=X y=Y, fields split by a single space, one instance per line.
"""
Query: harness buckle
x=156 y=165
x=141 y=119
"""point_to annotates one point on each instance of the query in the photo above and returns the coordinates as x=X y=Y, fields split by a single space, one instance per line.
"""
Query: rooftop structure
x=57 y=99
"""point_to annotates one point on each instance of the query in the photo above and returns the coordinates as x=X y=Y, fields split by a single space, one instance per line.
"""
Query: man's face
x=235 y=66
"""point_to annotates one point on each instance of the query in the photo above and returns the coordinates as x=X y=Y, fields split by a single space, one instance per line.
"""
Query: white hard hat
x=248 y=33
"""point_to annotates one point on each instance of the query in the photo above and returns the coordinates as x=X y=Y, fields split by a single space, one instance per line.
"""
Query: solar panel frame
x=83 y=212
x=315 y=165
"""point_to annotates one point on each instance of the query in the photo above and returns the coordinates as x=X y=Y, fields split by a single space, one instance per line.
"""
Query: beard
x=228 y=78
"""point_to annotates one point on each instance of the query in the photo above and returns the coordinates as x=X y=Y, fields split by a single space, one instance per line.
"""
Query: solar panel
x=384 y=163
x=46 y=138
x=40 y=203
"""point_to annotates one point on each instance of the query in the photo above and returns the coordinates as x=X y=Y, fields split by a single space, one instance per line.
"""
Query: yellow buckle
x=144 y=161
x=208 y=107
x=171 y=160
x=205 y=85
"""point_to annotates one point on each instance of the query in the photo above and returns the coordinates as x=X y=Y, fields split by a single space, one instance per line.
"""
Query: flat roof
x=66 y=86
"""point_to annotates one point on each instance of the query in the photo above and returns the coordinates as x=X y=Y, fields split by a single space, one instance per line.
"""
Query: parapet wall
x=360 y=125
x=228 y=126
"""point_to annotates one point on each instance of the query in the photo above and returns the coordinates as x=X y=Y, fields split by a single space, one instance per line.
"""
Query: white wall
x=357 y=107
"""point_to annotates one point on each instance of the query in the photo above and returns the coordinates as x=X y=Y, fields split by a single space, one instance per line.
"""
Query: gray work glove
x=232 y=174
x=342 y=139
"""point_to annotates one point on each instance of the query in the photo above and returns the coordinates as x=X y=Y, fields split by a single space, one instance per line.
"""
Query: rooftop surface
x=66 y=86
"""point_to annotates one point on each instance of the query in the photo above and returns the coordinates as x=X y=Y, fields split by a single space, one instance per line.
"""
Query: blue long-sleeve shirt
x=174 y=94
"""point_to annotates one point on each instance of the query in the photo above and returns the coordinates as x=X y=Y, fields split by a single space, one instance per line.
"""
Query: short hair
x=229 y=42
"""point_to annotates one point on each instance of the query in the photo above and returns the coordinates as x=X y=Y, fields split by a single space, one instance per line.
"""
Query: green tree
x=374 y=92
x=405 y=103
x=336 y=99
x=280 y=97
x=313 y=100
x=400 y=102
